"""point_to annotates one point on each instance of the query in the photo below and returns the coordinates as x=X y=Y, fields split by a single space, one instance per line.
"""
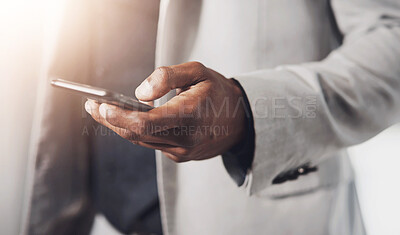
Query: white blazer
x=320 y=76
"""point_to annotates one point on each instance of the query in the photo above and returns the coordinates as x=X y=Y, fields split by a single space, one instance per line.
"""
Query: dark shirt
x=238 y=160
x=124 y=184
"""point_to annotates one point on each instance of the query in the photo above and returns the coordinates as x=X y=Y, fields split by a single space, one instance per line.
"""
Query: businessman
x=292 y=84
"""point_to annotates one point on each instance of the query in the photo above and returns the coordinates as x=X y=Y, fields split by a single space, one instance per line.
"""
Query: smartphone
x=102 y=95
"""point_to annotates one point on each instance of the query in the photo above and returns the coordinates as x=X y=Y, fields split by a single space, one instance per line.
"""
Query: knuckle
x=139 y=126
x=163 y=73
x=111 y=117
x=144 y=127
x=163 y=70
x=201 y=70
x=197 y=64
x=140 y=122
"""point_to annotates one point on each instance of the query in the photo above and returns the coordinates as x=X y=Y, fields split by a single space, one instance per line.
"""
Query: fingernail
x=103 y=110
x=87 y=107
x=144 y=89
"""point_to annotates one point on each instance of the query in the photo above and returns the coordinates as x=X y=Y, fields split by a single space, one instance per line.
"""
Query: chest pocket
x=336 y=169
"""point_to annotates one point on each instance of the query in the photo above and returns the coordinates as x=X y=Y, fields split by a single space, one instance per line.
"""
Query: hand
x=205 y=119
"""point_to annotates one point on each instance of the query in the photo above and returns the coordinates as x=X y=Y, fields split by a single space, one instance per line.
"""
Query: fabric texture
x=338 y=66
x=123 y=184
x=355 y=90
x=318 y=75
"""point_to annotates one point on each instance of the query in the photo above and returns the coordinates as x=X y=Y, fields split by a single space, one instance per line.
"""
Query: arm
x=355 y=89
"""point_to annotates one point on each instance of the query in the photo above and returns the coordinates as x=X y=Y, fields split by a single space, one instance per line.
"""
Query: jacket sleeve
x=303 y=113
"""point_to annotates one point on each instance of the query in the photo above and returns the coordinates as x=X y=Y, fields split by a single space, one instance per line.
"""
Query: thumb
x=164 y=79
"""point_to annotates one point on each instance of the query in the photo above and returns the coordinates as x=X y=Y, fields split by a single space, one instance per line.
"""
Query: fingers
x=174 y=153
x=164 y=79
x=138 y=122
x=171 y=115
x=119 y=117
x=92 y=108
x=132 y=135
x=175 y=158
x=162 y=122
x=169 y=144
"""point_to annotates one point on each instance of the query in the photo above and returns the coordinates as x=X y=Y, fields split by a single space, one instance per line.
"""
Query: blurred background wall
x=25 y=26
x=21 y=34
